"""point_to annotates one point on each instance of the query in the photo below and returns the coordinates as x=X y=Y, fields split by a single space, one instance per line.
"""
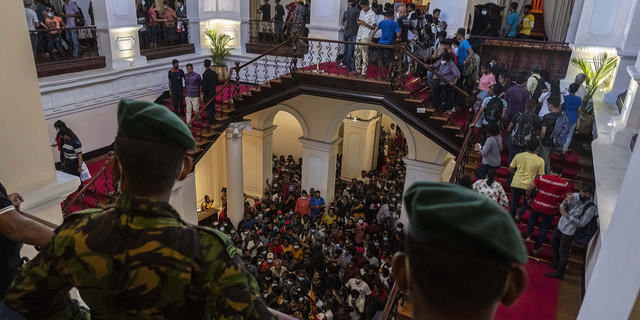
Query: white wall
x=285 y=137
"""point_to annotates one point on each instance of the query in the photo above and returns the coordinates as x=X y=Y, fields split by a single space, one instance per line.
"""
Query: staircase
x=270 y=79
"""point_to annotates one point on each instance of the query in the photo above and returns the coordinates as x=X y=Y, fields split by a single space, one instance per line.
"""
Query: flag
x=313 y=315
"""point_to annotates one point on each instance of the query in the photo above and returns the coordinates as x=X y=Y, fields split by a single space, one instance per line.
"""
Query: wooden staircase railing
x=90 y=186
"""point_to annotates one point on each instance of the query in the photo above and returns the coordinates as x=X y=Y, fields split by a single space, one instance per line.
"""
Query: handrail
x=470 y=128
x=273 y=21
x=519 y=40
x=63 y=29
x=210 y=101
x=436 y=73
x=390 y=301
x=387 y=46
x=162 y=20
x=237 y=67
x=88 y=184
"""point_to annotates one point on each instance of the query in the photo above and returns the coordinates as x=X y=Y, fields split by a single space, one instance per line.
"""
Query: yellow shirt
x=528 y=166
x=298 y=254
x=527 y=24
x=206 y=205
x=329 y=220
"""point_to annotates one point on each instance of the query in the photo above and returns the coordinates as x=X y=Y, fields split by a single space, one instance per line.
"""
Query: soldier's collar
x=145 y=205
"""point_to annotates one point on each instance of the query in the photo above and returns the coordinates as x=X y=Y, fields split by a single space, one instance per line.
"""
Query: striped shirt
x=551 y=191
x=71 y=149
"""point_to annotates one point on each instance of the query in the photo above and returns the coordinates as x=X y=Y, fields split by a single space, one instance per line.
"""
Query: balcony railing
x=165 y=39
x=67 y=50
x=266 y=34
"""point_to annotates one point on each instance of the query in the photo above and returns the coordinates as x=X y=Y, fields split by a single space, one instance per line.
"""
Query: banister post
x=294 y=59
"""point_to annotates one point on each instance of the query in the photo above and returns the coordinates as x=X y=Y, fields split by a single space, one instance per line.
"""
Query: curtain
x=557 y=14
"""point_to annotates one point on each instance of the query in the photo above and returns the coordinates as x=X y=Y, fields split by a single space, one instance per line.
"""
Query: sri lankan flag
x=313 y=315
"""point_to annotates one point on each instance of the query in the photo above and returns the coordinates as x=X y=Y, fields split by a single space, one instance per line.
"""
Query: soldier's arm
x=41 y=291
x=233 y=290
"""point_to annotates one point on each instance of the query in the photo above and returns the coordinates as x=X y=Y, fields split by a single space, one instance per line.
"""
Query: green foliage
x=219 y=47
x=598 y=72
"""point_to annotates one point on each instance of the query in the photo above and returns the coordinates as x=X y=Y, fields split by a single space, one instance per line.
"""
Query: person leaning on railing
x=463 y=254
x=52 y=21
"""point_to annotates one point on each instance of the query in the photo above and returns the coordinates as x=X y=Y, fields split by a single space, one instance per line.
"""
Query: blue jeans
x=569 y=137
x=513 y=151
x=547 y=219
x=516 y=195
x=348 y=60
x=545 y=153
x=481 y=173
x=72 y=37
x=8 y=314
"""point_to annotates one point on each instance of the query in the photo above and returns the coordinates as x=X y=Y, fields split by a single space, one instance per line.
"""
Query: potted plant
x=219 y=53
x=598 y=72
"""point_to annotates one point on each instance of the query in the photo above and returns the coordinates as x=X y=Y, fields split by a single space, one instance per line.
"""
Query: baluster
x=294 y=58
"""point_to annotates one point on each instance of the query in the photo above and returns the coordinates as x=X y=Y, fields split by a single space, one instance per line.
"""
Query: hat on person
x=269 y=255
x=450 y=215
x=149 y=121
x=360 y=249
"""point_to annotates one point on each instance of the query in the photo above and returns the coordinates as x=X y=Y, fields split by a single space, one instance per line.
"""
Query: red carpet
x=539 y=301
x=96 y=194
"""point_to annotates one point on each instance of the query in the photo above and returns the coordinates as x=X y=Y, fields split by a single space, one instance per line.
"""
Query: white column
x=326 y=16
x=319 y=166
x=235 y=185
x=27 y=163
x=614 y=285
x=453 y=12
x=418 y=171
x=357 y=148
x=184 y=199
x=222 y=15
x=605 y=26
x=118 y=27
x=627 y=124
x=256 y=149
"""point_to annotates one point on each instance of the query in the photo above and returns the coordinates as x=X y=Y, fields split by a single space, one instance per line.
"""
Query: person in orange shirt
x=302 y=205
x=170 y=31
x=267 y=264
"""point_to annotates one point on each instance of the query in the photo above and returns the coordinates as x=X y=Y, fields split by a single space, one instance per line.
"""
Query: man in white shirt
x=32 y=23
x=366 y=23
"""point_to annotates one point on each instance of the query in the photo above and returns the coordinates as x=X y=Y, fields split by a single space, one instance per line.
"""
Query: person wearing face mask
x=360 y=229
x=246 y=260
x=268 y=264
x=303 y=204
x=481 y=21
x=150 y=156
x=576 y=213
x=450 y=73
x=170 y=17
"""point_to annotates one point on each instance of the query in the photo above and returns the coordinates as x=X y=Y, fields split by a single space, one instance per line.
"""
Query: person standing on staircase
x=490 y=151
x=209 y=84
x=524 y=168
x=546 y=134
x=551 y=189
x=576 y=213
x=192 y=83
x=201 y=271
x=456 y=265
x=176 y=91
x=366 y=23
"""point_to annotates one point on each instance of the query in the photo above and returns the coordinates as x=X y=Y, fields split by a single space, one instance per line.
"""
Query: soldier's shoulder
x=80 y=217
x=219 y=237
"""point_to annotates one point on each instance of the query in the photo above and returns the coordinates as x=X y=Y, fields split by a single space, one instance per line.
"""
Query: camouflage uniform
x=138 y=260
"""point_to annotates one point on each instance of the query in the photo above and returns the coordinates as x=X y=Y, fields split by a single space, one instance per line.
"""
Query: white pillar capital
x=234 y=129
x=419 y=171
x=319 y=166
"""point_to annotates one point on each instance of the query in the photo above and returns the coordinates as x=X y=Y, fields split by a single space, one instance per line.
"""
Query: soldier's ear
x=187 y=165
x=116 y=173
x=400 y=266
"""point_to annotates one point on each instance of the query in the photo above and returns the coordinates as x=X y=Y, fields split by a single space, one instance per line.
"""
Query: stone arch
x=266 y=120
x=333 y=126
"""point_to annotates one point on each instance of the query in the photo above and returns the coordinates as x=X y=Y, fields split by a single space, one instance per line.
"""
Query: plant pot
x=585 y=121
x=223 y=73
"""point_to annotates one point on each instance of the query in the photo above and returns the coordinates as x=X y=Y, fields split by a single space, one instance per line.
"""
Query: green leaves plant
x=219 y=47
x=598 y=72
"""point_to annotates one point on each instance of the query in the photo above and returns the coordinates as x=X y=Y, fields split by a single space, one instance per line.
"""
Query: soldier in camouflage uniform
x=139 y=259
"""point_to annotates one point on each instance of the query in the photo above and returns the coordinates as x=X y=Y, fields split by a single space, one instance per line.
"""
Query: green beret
x=446 y=214
x=149 y=121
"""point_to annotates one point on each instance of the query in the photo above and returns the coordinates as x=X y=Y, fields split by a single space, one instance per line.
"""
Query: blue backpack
x=561 y=131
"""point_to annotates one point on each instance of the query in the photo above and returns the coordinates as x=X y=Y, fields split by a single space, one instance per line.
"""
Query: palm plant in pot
x=598 y=72
x=219 y=53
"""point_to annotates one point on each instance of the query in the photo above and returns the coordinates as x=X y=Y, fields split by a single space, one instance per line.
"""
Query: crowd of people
x=280 y=27
x=45 y=16
x=174 y=28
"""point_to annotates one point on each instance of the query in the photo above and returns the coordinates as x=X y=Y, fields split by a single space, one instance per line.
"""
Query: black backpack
x=539 y=87
x=80 y=21
x=584 y=234
x=493 y=111
x=523 y=130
